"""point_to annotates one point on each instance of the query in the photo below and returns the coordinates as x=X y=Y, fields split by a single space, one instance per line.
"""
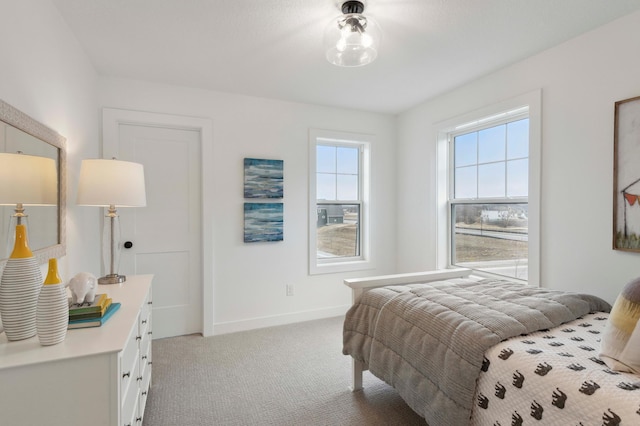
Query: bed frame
x=360 y=285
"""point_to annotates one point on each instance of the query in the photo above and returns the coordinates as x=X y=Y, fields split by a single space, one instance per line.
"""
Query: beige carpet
x=288 y=375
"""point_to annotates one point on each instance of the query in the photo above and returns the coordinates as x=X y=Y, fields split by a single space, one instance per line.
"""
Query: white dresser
x=97 y=376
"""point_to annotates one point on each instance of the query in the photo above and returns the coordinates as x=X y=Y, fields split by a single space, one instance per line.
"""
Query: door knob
x=128 y=244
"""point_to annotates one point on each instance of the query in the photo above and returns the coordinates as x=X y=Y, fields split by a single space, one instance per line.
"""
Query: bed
x=464 y=351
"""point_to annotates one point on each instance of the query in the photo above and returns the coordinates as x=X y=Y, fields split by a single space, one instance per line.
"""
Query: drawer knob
x=150 y=333
x=150 y=302
x=127 y=374
x=144 y=321
x=138 y=419
x=139 y=378
x=144 y=357
x=150 y=362
x=144 y=393
x=138 y=337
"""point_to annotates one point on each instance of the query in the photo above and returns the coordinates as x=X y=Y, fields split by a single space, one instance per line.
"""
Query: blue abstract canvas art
x=263 y=178
x=263 y=222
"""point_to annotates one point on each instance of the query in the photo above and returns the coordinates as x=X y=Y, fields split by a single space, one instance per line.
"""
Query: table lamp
x=111 y=183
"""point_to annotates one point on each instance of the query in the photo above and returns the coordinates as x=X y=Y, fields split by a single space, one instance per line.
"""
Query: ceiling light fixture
x=351 y=39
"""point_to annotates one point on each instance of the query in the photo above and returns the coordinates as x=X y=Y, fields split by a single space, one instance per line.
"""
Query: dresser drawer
x=145 y=317
x=144 y=393
x=130 y=391
x=132 y=417
x=145 y=310
x=145 y=364
x=130 y=352
x=145 y=340
x=128 y=374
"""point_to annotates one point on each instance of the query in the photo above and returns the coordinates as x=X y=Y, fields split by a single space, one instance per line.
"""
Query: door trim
x=112 y=118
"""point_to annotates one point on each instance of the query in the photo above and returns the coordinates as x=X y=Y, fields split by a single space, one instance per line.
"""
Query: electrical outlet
x=289 y=289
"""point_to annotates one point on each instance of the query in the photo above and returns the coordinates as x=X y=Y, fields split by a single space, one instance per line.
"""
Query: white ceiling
x=273 y=48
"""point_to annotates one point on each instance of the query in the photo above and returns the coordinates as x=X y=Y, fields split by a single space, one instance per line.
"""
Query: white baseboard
x=270 y=321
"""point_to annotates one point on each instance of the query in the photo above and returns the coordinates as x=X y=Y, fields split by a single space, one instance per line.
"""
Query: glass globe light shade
x=352 y=40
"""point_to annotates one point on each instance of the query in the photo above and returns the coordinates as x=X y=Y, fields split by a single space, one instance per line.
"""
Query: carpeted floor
x=288 y=375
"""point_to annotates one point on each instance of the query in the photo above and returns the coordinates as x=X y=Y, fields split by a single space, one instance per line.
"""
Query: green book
x=94 y=322
x=89 y=315
x=98 y=305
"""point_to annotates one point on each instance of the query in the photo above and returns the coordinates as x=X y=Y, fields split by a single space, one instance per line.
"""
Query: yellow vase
x=21 y=248
x=52 y=273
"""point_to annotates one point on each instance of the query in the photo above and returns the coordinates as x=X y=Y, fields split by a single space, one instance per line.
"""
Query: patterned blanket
x=428 y=340
x=555 y=377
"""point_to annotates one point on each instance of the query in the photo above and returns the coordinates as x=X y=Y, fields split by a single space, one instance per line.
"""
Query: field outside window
x=491 y=238
x=338 y=231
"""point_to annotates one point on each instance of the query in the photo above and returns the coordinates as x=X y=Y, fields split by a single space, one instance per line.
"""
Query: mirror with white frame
x=46 y=224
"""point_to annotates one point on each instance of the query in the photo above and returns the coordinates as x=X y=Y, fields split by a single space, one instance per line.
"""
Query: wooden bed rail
x=360 y=285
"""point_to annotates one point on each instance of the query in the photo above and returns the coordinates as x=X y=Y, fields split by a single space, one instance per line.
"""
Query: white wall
x=250 y=279
x=45 y=74
x=580 y=81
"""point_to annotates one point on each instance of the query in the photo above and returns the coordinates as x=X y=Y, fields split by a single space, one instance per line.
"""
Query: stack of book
x=91 y=314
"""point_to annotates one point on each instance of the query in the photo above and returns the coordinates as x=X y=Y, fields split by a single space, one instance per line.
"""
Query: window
x=493 y=192
x=338 y=194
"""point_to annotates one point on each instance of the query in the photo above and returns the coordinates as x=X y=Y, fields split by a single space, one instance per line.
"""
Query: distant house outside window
x=337 y=233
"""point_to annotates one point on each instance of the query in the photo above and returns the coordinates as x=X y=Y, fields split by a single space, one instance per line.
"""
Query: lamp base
x=112 y=279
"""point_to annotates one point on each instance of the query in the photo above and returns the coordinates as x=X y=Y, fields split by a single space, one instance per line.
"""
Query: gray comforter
x=428 y=340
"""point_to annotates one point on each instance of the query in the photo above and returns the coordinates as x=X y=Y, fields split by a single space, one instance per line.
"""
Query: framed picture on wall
x=263 y=178
x=263 y=222
x=626 y=175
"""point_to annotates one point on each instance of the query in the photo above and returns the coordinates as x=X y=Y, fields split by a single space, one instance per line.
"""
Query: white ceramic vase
x=19 y=289
x=52 y=314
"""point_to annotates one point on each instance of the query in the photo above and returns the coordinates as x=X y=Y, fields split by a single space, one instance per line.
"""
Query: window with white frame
x=338 y=194
x=492 y=202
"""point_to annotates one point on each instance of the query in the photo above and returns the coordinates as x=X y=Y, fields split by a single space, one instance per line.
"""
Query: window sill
x=476 y=274
x=330 y=268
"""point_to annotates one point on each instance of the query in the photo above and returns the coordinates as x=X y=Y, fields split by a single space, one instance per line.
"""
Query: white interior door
x=165 y=235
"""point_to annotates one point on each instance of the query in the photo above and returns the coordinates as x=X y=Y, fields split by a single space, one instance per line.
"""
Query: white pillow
x=620 y=346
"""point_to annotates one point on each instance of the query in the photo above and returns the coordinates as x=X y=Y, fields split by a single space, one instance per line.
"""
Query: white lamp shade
x=28 y=180
x=111 y=182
